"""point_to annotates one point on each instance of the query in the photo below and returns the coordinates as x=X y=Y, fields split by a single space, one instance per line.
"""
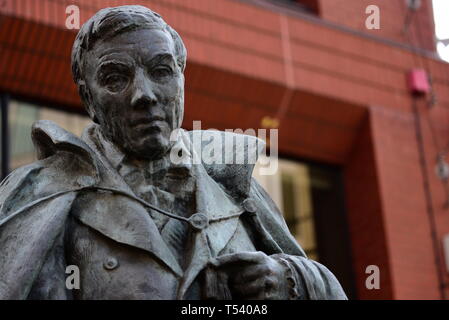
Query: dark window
x=311 y=6
x=331 y=225
x=311 y=199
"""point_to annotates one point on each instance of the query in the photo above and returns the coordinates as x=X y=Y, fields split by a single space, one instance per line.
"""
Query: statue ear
x=86 y=97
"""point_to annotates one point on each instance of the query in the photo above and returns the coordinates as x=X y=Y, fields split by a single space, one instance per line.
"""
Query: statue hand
x=253 y=275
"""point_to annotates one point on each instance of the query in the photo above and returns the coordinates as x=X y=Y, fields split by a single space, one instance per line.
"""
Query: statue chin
x=151 y=147
x=154 y=151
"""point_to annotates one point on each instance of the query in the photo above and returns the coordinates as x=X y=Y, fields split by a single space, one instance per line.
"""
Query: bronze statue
x=114 y=204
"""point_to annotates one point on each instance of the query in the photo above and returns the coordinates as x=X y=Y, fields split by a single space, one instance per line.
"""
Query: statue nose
x=144 y=94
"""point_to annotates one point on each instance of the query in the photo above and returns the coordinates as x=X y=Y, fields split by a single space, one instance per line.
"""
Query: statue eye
x=161 y=72
x=115 y=82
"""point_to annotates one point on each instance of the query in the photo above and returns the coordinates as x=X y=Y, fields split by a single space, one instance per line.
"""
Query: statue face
x=137 y=90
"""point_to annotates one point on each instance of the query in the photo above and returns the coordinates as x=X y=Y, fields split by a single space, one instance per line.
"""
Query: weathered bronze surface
x=114 y=204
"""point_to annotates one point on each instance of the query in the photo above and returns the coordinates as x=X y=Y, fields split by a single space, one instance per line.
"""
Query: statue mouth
x=143 y=123
x=153 y=124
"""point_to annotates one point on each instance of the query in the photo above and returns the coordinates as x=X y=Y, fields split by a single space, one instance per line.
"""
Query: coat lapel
x=125 y=221
x=121 y=218
x=212 y=201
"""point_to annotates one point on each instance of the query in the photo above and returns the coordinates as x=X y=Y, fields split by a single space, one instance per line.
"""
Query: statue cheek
x=117 y=103
x=178 y=112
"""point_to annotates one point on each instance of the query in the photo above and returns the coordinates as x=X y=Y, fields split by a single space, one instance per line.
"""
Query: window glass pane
x=288 y=200
x=294 y=193
x=22 y=116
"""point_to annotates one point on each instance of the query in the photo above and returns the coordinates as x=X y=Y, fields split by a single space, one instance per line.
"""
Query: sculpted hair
x=110 y=22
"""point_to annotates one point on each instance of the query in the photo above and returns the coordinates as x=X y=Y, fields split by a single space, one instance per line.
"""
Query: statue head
x=129 y=65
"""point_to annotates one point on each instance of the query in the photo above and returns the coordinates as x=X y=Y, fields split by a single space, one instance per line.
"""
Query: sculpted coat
x=47 y=223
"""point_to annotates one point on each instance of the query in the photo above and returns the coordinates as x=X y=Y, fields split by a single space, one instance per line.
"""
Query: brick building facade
x=338 y=91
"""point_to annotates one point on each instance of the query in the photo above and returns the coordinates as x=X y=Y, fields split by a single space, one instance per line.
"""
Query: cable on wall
x=423 y=63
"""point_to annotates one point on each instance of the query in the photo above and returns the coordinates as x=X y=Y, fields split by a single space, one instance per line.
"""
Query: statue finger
x=250 y=273
x=250 y=290
x=240 y=257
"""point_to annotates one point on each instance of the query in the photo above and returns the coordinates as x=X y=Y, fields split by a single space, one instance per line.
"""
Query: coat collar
x=233 y=167
x=49 y=138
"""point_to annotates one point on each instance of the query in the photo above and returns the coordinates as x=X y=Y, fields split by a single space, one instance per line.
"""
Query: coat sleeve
x=30 y=239
x=309 y=279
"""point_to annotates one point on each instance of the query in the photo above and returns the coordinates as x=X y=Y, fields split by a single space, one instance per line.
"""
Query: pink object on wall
x=418 y=81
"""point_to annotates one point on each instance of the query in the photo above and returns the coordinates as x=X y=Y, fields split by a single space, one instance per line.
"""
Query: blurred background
x=360 y=95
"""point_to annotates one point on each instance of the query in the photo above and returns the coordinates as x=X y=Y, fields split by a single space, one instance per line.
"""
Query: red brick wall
x=365 y=216
x=345 y=99
x=405 y=209
x=393 y=16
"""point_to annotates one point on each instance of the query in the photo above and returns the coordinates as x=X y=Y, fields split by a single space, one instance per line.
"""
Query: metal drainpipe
x=4 y=101
x=428 y=197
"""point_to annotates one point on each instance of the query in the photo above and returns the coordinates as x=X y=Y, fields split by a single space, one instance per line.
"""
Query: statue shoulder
x=49 y=139
x=228 y=157
x=64 y=162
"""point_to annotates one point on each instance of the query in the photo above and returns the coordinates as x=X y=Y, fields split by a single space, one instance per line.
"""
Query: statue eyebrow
x=113 y=63
x=159 y=58
x=115 y=60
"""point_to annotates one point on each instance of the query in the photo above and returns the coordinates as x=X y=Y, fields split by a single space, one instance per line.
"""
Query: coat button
x=199 y=221
x=110 y=263
x=249 y=205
